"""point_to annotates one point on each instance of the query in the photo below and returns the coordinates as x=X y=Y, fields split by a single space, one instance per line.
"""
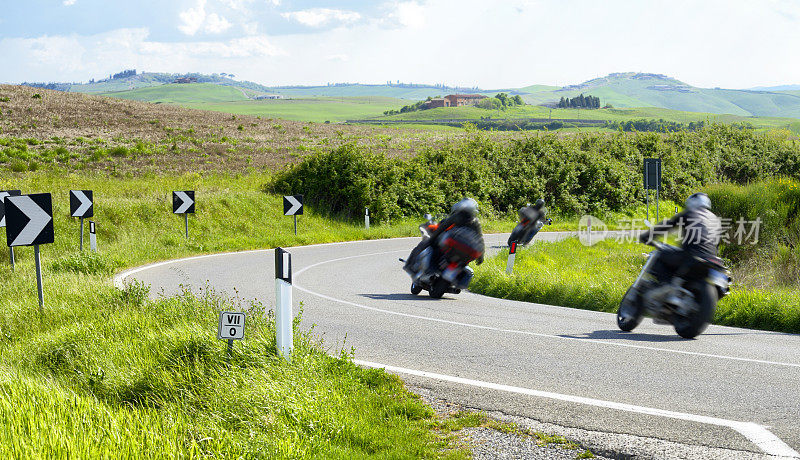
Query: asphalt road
x=733 y=389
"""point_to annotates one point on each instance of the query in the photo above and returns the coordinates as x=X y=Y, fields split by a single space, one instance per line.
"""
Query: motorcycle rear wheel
x=438 y=288
x=630 y=311
x=516 y=234
x=690 y=327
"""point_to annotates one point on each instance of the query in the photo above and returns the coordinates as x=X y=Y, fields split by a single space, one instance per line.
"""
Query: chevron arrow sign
x=183 y=202
x=29 y=220
x=81 y=203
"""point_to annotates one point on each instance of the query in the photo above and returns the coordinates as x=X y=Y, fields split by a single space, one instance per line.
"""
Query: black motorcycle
x=526 y=229
x=688 y=303
x=442 y=267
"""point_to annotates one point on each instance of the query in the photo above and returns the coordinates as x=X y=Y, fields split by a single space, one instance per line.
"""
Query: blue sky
x=491 y=44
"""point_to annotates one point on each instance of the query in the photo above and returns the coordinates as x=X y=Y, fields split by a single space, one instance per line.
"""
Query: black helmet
x=467 y=206
x=698 y=201
x=539 y=204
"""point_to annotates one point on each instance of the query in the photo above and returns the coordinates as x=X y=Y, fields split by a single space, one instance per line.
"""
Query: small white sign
x=231 y=326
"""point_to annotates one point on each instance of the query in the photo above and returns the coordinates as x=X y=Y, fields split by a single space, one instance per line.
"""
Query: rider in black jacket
x=462 y=214
x=701 y=231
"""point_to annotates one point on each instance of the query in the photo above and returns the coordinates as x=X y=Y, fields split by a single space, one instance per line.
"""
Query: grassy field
x=317 y=109
x=615 y=114
x=570 y=274
x=41 y=129
x=185 y=93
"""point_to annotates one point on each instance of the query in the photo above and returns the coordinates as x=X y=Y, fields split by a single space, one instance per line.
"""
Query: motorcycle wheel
x=630 y=311
x=515 y=234
x=690 y=327
x=415 y=288
x=438 y=288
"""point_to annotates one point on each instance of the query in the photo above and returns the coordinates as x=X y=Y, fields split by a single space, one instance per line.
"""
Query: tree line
x=579 y=102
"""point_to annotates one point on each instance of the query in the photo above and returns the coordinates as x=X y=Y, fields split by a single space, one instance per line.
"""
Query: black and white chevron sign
x=293 y=205
x=29 y=220
x=183 y=202
x=81 y=203
x=3 y=195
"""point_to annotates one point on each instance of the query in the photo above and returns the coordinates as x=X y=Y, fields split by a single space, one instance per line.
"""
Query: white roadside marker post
x=512 y=254
x=283 y=309
x=366 y=218
x=92 y=236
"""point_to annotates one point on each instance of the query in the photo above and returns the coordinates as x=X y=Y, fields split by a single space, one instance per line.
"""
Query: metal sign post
x=293 y=206
x=283 y=309
x=30 y=223
x=366 y=218
x=652 y=181
x=3 y=195
x=512 y=255
x=184 y=203
x=231 y=327
x=92 y=236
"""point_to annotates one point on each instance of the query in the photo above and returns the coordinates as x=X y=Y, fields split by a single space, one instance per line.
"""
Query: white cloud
x=216 y=24
x=196 y=19
x=410 y=14
x=337 y=57
x=316 y=17
x=69 y=2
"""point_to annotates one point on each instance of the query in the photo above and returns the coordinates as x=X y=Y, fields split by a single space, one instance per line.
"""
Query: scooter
x=688 y=302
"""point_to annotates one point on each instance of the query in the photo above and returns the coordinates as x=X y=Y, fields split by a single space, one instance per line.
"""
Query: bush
x=590 y=172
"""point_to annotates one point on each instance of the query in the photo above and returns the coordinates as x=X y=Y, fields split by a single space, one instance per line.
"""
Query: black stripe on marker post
x=283 y=265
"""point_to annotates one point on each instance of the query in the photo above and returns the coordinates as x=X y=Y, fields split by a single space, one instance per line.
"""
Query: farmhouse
x=454 y=100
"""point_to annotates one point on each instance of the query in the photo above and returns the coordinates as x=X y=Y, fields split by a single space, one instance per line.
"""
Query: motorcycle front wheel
x=516 y=234
x=630 y=311
x=415 y=288
x=693 y=325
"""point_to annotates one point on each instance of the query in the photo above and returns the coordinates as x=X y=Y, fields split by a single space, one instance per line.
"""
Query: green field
x=319 y=109
x=615 y=114
x=176 y=93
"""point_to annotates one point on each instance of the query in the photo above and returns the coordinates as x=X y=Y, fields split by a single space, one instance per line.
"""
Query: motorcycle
x=688 y=303
x=526 y=229
x=442 y=267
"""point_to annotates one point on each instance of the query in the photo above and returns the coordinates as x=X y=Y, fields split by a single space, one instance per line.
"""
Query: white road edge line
x=757 y=434
x=513 y=331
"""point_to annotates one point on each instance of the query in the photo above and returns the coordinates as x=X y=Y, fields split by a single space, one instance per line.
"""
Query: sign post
x=652 y=181
x=283 y=309
x=3 y=195
x=183 y=203
x=366 y=218
x=30 y=223
x=81 y=205
x=512 y=254
x=92 y=236
x=293 y=206
x=231 y=327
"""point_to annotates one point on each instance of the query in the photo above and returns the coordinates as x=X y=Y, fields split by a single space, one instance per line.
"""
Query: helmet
x=698 y=201
x=466 y=206
x=539 y=204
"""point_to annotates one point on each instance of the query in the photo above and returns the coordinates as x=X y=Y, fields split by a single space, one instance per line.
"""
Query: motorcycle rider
x=533 y=213
x=701 y=230
x=462 y=214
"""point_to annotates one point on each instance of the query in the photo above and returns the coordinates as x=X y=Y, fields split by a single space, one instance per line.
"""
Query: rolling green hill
x=177 y=93
x=653 y=90
x=316 y=109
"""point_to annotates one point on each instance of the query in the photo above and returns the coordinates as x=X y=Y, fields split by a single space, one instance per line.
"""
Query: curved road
x=733 y=392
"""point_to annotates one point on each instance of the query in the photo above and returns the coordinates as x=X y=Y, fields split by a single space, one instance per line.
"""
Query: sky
x=485 y=43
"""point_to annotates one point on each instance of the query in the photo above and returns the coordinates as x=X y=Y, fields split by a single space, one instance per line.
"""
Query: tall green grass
x=570 y=274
